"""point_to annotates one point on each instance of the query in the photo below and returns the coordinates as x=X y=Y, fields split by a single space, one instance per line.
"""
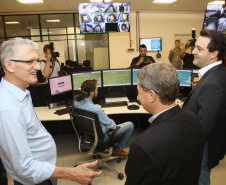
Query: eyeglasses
x=33 y=63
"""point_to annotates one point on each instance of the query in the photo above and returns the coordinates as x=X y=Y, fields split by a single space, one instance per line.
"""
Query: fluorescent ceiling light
x=12 y=22
x=96 y=1
x=164 y=1
x=217 y=2
x=107 y=1
x=53 y=20
x=30 y=1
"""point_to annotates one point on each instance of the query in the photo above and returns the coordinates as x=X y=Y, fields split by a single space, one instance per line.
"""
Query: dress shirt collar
x=151 y=119
x=17 y=92
x=202 y=71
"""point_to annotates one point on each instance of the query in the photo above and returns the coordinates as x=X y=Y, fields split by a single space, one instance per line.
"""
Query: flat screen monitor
x=79 y=78
x=215 y=17
x=152 y=44
x=185 y=77
x=60 y=85
x=104 y=17
x=134 y=76
x=116 y=77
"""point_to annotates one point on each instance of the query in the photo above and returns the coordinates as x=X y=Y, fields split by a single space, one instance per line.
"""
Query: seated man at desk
x=142 y=60
x=90 y=86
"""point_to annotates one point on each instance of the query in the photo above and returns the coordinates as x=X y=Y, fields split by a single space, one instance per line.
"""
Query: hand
x=188 y=43
x=83 y=174
x=48 y=56
x=140 y=61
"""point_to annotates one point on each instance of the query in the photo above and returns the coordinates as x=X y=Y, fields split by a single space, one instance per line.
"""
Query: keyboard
x=114 y=104
x=65 y=110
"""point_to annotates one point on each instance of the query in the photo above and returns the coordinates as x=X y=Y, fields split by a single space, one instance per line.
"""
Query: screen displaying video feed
x=116 y=77
x=60 y=85
x=79 y=78
x=152 y=44
x=185 y=77
x=215 y=17
x=104 y=17
x=134 y=76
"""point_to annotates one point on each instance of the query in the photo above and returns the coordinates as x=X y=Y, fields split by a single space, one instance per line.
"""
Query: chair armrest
x=111 y=132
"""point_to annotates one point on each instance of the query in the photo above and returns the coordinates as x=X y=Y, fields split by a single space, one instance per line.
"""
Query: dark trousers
x=3 y=176
x=46 y=182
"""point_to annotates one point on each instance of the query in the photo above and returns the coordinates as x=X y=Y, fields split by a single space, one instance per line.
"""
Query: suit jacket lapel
x=204 y=76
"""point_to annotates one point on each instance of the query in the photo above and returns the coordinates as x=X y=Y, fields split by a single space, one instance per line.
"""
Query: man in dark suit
x=208 y=98
x=170 y=151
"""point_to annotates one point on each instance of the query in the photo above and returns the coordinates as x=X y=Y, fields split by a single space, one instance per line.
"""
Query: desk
x=46 y=114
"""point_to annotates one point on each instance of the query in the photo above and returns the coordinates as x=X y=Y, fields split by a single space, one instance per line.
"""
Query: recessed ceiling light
x=164 y=1
x=12 y=22
x=30 y=1
x=53 y=20
x=217 y=2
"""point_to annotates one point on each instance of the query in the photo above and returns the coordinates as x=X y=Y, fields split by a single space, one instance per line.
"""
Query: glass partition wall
x=61 y=29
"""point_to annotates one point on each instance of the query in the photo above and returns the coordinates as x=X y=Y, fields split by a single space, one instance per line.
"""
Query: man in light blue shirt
x=27 y=150
x=90 y=86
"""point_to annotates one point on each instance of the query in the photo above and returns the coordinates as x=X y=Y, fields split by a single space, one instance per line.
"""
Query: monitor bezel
x=118 y=85
x=82 y=72
x=49 y=82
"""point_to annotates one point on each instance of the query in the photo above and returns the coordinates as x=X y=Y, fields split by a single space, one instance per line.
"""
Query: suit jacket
x=208 y=101
x=169 y=152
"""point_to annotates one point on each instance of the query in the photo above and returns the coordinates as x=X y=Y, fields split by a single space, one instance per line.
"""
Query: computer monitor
x=185 y=77
x=80 y=77
x=152 y=44
x=134 y=76
x=60 y=85
x=116 y=77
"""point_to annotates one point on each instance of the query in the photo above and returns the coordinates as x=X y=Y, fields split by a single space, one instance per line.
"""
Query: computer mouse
x=133 y=107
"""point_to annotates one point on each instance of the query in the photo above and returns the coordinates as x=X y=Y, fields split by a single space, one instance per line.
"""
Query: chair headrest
x=79 y=95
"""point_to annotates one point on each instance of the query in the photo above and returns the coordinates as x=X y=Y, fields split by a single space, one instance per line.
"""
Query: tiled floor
x=68 y=155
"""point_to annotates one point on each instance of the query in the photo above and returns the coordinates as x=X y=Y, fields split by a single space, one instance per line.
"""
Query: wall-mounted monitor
x=60 y=85
x=80 y=77
x=185 y=77
x=104 y=17
x=116 y=77
x=215 y=17
x=152 y=44
x=134 y=76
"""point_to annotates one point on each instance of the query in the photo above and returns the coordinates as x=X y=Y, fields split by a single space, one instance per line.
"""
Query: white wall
x=152 y=24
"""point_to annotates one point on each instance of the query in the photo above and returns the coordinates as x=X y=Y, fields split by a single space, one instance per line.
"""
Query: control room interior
x=105 y=51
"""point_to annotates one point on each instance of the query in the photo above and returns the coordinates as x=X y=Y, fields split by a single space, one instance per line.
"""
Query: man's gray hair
x=11 y=49
x=161 y=78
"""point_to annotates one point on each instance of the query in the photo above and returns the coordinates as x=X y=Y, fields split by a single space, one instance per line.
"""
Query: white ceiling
x=54 y=6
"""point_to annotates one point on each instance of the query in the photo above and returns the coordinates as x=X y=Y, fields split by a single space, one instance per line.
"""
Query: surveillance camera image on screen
x=215 y=17
x=184 y=77
x=60 y=84
x=116 y=77
x=79 y=78
x=112 y=15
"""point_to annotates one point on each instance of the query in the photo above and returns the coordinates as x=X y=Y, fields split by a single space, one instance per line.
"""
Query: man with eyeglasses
x=27 y=150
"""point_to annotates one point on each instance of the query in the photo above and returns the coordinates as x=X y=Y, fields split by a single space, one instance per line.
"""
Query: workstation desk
x=46 y=114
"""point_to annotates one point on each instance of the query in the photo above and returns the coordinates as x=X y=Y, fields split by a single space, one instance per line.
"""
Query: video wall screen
x=104 y=17
x=215 y=17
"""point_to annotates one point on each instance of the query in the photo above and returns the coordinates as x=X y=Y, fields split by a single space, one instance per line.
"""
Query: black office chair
x=91 y=138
